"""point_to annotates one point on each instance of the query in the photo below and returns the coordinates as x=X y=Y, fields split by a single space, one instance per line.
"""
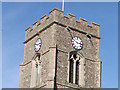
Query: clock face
x=37 y=45
x=77 y=43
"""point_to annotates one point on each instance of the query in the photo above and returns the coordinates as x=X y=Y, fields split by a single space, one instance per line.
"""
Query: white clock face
x=37 y=45
x=77 y=43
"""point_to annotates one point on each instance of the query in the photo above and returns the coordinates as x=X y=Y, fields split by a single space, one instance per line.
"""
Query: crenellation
x=44 y=18
x=95 y=25
x=71 y=15
x=47 y=18
x=55 y=9
x=29 y=28
x=77 y=21
x=90 y=26
x=55 y=12
x=78 y=24
x=58 y=15
x=66 y=17
x=36 y=24
x=28 y=32
x=83 y=20
x=66 y=20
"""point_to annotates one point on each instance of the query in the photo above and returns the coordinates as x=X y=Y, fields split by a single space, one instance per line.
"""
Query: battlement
x=95 y=24
x=29 y=28
x=69 y=20
x=71 y=15
x=36 y=24
x=56 y=10
x=83 y=20
x=44 y=18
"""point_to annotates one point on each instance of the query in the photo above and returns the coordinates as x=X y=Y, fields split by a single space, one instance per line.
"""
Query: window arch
x=35 y=72
x=74 y=63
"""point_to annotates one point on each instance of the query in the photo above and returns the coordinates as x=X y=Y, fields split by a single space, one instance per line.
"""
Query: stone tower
x=61 y=52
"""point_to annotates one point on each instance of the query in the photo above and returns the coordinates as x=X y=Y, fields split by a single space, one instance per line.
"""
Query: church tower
x=61 y=52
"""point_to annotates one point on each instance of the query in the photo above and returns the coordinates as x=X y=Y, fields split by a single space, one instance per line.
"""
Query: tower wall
x=90 y=49
x=55 y=52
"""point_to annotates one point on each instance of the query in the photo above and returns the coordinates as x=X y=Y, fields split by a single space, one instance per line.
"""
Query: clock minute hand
x=78 y=42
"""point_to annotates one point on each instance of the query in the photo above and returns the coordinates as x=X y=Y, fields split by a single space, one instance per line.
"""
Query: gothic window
x=74 y=67
x=35 y=70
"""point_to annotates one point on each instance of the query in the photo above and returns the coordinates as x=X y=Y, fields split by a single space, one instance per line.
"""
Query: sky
x=16 y=17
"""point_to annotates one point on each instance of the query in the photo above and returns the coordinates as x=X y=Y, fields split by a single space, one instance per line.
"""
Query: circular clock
x=37 y=45
x=77 y=43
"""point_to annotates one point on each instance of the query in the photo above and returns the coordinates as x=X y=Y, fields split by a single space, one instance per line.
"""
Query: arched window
x=35 y=70
x=74 y=67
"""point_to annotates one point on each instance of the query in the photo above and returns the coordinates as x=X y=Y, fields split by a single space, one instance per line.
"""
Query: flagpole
x=63 y=5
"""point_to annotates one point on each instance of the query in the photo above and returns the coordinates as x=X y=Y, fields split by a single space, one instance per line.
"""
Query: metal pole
x=63 y=5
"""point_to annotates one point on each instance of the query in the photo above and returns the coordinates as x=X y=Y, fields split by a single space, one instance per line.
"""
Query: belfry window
x=74 y=67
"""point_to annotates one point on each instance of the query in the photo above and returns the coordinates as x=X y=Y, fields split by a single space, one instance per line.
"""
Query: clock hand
x=77 y=41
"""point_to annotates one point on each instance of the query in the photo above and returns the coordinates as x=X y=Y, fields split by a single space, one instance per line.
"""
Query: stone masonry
x=54 y=54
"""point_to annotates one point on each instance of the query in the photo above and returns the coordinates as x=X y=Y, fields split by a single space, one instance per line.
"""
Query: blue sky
x=16 y=17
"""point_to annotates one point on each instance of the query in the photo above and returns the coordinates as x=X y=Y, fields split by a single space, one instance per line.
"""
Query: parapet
x=90 y=26
x=83 y=20
x=71 y=15
x=44 y=18
x=36 y=24
x=69 y=20
x=56 y=10
x=29 y=28
x=95 y=24
x=60 y=12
